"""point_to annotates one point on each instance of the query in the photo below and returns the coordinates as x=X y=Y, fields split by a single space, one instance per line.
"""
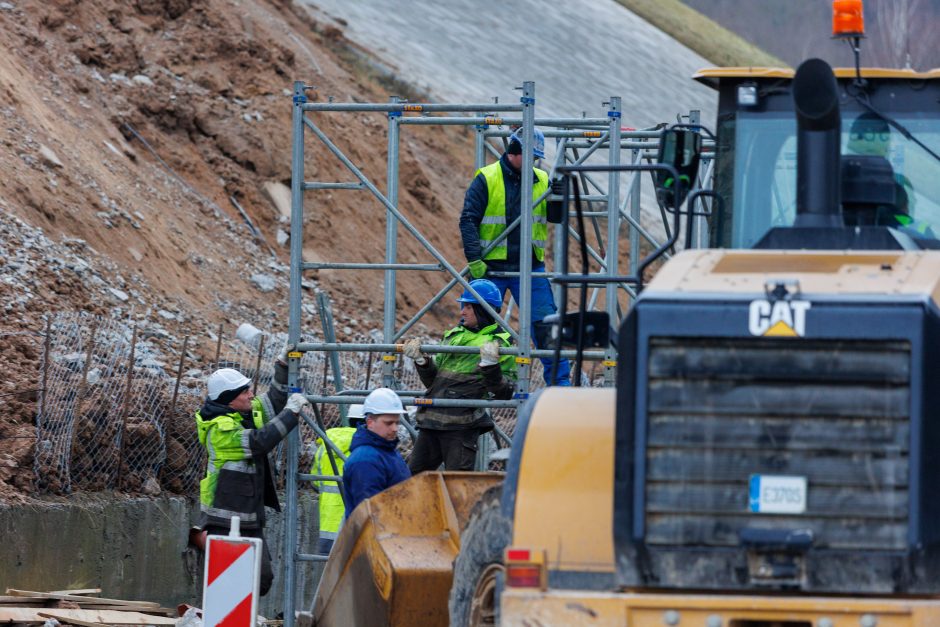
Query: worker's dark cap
x=228 y=396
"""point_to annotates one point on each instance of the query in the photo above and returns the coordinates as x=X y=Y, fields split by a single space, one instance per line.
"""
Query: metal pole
x=524 y=360
x=293 y=338
x=406 y=107
x=257 y=375
x=391 y=244
x=179 y=376
x=558 y=233
x=46 y=347
x=125 y=409
x=218 y=346
x=479 y=147
x=430 y=349
x=329 y=334
x=613 y=231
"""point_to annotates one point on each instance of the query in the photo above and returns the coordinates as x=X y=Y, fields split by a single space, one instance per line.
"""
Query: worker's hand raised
x=489 y=353
x=296 y=402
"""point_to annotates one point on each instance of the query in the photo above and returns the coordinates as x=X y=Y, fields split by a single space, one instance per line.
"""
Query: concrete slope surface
x=578 y=52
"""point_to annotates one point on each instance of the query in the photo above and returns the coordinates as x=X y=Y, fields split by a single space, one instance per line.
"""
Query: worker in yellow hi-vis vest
x=331 y=501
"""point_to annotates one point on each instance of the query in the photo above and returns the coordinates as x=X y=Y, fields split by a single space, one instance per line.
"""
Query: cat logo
x=779 y=318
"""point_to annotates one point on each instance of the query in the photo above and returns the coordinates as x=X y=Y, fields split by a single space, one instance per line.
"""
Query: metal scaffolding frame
x=577 y=140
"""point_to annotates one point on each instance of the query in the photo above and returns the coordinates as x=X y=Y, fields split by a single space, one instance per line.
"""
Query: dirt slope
x=92 y=218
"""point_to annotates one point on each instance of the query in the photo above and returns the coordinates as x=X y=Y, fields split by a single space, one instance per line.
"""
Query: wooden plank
x=82 y=591
x=16 y=600
x=167 y=611
x=78 y=598
x=71 y=621
x=108 y=617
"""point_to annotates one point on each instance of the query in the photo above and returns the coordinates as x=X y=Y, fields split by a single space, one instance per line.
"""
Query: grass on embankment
x=701 y=34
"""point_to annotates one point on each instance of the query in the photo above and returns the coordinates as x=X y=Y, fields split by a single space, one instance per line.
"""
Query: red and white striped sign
x=233 y=571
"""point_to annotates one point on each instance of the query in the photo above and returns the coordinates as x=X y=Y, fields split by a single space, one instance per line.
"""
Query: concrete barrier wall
x=131 y=548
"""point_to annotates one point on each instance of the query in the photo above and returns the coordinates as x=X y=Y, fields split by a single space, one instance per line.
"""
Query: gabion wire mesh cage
x=116 y=411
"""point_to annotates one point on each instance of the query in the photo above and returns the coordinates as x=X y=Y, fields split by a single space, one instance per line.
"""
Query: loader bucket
x=392 y=563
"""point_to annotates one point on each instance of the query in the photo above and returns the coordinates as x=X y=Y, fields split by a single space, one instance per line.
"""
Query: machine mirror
x=594 y=329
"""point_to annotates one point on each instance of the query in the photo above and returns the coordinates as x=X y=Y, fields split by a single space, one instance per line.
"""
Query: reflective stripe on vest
x=493 y=223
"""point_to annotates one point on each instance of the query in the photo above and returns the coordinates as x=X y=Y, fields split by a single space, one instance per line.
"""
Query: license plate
x=777 y=494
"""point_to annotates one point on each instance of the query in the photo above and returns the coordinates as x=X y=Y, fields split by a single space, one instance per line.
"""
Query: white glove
x=296 y=402
x=282 y=356
x=412 y=350
x=489 y=353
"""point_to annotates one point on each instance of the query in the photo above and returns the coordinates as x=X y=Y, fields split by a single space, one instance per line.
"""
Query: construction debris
x=79 y=607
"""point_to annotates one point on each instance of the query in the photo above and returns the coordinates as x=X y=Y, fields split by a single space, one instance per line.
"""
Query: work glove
x=282 y=356
x=477 y=268
x=412 y=350
x=296 y=402
x=489 y=353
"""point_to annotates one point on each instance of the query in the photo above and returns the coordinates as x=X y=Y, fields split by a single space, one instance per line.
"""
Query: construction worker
x=491 y=203
x=374 y=463
x=331 y=505
x=870 y=134
x=450 y=434
x=238 y=430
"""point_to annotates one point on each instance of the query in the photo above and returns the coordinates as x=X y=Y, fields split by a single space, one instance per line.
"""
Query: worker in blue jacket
x=374 y=463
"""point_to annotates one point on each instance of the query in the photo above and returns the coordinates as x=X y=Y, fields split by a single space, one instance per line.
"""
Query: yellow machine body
x=392 y=563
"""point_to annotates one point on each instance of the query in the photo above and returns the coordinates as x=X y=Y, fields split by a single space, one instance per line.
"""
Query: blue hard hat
x=538 y=142
x=485 y=288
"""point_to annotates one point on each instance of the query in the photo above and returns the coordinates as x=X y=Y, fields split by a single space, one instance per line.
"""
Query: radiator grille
x=835 y=412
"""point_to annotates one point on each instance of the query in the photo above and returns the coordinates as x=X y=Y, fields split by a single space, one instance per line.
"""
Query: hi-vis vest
x=494 y=218
x=331 y=502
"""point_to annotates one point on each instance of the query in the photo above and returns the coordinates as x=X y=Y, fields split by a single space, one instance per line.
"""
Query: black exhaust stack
x=818 y=166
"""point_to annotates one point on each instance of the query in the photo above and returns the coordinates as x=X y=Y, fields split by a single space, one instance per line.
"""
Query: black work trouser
x=456 y=449
x=267 y=572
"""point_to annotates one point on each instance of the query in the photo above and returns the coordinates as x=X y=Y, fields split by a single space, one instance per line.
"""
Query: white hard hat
x=354 y=412
x=382 y=401
x=225 y=379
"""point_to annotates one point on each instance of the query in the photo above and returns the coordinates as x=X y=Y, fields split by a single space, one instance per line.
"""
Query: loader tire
x=479 y=572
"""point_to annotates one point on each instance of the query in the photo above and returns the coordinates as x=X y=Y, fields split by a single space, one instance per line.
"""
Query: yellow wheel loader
x=770 y=456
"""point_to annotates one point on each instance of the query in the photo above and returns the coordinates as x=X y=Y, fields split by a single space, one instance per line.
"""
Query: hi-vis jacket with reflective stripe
x=459 y=376
x=331 y=502
x=238 y=480
x=494 y=217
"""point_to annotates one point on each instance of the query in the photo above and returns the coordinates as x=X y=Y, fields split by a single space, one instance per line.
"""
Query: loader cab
x=888 y=180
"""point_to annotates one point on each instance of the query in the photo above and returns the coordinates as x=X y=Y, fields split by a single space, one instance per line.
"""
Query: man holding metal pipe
x=492 y=202
x=238 y=430
x=449 y=435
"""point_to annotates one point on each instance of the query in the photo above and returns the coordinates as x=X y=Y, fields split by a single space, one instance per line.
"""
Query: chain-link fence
x=115 y=409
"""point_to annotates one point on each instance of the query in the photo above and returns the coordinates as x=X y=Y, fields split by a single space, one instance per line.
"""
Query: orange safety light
x=848 y=18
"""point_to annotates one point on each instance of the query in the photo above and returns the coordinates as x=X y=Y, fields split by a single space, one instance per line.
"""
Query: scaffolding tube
x=429 y=349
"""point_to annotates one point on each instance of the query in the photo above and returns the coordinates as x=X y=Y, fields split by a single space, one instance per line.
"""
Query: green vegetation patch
x=701 y=34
